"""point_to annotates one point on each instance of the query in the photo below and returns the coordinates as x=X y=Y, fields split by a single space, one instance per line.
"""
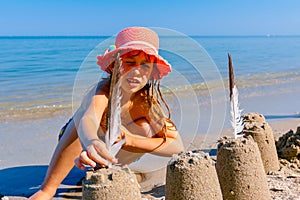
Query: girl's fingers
x=105 y=154
x=93 y=155
x=85 y=160
x=78 y=164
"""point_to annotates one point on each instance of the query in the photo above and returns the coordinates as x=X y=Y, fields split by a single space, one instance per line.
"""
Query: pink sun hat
x=136 y=38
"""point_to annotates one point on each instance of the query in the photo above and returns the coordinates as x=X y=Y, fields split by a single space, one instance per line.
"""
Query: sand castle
x=240 y=170
x=111 y=183
x=288 y=147
x=192 y=175
x=261 y=131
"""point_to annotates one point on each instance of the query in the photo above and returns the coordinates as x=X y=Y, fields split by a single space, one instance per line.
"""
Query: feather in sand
x=114 y=110
x=237 y=120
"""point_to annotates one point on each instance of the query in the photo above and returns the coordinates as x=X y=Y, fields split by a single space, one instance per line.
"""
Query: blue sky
x=197 y=17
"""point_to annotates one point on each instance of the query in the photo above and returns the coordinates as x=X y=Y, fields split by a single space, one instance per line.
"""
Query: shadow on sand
x=25 y=180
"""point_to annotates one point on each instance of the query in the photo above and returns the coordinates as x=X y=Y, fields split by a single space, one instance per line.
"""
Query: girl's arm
x=171 y=144
x=88 y=125
x=89 y=122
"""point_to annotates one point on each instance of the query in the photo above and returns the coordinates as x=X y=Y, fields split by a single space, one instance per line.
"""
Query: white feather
x=237 y=120
x=114 y=125
x=114 y=111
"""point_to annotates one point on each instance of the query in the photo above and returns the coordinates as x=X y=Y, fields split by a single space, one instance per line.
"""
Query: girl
x=145 y=126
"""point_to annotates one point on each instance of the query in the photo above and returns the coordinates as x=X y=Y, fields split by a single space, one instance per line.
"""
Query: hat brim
x=162 y=65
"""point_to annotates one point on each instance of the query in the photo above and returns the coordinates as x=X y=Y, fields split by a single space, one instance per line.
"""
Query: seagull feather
x=237 y=120
x=114 y=110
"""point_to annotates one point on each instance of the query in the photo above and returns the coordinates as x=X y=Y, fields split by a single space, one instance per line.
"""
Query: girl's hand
x=95 y=152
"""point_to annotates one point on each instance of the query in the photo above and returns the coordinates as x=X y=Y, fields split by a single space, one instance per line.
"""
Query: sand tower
x=240 y=170
x=192 y=175
x=260 y=130
x=288 y=147
x=111 y=183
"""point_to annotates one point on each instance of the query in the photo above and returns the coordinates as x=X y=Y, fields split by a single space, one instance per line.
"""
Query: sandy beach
x=24 y=159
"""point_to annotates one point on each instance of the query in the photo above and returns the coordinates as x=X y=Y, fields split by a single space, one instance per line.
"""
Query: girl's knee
x=141 y=127
x=142 y=123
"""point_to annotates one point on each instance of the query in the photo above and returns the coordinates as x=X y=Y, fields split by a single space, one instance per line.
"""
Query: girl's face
x=137 y=70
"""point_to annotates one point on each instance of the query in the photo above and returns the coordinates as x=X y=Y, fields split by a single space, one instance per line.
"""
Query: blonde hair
x=155 y=100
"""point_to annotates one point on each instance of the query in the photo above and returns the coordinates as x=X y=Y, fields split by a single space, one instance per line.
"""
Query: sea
x=43 y=76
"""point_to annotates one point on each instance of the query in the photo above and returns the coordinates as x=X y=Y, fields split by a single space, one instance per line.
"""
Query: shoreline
x=249 y=88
